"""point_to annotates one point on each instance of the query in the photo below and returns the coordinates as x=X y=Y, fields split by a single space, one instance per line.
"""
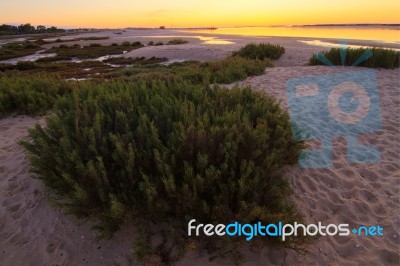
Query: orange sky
x=193 y=13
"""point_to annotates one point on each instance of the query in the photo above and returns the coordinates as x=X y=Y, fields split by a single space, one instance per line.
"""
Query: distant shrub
x=76 y=45
x=178 y=41
x=33 y=94
x=31 y=45
x=63 y=46
x=260 y=51
x=95 y=45
x=114 y=44
x=159 y=43
x=137 y=44
x=384 y=58
x=166 y=152
x=126 y=44
x=26 y=65
x=150 y=43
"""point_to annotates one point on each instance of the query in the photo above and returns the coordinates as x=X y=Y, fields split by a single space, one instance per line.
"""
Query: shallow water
x=387 y=34
x=338 y=45
x=31 y=58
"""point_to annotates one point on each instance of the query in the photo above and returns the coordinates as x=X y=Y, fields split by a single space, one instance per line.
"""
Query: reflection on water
x=337 y=45
x=213 y=40
x=205 y=39
x=382 y=34
x=32 y=57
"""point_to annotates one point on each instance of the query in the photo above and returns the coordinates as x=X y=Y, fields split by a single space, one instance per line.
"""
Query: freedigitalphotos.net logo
x=280 y=229
x=340 y=104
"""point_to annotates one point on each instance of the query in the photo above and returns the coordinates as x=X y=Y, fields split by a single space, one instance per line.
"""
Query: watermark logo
x=339 y=104
x=280 y=229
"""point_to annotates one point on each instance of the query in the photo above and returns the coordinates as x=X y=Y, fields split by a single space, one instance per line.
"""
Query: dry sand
x=32 y=232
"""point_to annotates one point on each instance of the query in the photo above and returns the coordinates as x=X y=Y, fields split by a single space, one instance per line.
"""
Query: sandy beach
x=33 y=232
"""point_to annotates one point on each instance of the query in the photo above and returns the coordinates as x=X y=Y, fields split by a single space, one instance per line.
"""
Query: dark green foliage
x=166 y=152
x=30 y=95
x=384 y=58
x=159 y=43
x=261 y=51
x=178 y=41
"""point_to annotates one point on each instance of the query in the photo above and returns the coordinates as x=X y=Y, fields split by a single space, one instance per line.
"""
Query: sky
x=196 y=13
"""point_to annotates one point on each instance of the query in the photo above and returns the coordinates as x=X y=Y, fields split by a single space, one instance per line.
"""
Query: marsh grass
x=135 y=60
x=14 y=50
x=88 y=52
x=381 y=58
x=223 y=71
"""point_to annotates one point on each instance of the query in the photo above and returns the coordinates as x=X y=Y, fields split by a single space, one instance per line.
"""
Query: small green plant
x=261 y=51
x=384 y=58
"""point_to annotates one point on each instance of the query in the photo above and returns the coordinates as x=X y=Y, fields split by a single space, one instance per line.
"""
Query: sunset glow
x=196 y=13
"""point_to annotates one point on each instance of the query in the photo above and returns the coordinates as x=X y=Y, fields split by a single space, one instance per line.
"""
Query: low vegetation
x=14 y=50
x=165 y=152
x=135 y=60
x=261 y=51
x=224 y=71
x=33 y=94
x=94 y=50
x=373 y=57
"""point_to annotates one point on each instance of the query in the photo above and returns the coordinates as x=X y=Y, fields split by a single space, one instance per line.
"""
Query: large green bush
x=261 y=51
x=166 y=152
x=33 y=94
x=384 y=58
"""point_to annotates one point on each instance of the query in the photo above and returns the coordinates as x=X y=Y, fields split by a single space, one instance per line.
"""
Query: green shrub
x=167 y=152
x=95 y=45
x=178 y=41
x=33 y=94
x=137 y=44
x=159 y=43
x=260 y=51
x=384 y=58
x=150 y=43
x=126 y=44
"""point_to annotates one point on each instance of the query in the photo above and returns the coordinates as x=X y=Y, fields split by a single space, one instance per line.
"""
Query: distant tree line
x=27 y=29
